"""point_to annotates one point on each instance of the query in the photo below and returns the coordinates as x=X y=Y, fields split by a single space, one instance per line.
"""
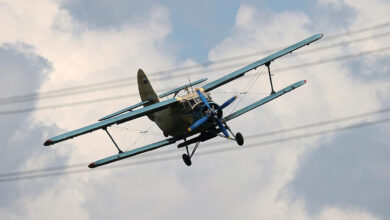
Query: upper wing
x=234 y=75
x=124 y=110
x=131 y=153
x=145 y=102
x=116 y=120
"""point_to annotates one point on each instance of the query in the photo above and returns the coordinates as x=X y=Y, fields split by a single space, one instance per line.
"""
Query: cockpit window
x=189 y=104
x=186 y=105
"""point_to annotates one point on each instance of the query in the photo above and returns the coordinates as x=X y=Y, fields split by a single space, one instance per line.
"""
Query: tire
x=187 y=159
x=239 y=139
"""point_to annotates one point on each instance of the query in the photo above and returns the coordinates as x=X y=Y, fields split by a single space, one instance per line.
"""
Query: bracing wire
x=118 y=83
x=248 y=87
x=65 y=170
x=320 y=62
x=28 y=176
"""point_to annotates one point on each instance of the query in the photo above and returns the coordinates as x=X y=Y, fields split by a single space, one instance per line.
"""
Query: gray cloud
x=351 y=171
x=22 y=72
x=371 y=71
x=107 y=14
x=198 y=26
x=332 y=19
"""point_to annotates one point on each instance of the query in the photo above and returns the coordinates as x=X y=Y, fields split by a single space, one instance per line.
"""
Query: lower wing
x=131 y=153
x=264 y=100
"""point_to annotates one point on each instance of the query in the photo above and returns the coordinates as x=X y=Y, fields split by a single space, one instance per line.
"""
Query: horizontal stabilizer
x=131 y=153
x=264 y=100
x=123 y=110
x=181 y=88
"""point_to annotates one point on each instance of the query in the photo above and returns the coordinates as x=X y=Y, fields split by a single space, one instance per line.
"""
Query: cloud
x=76 y=55
x=102 y=14
x=348 y=172
x=84 y=47
x=198 y=25
x=335 y=89
x=24 y=71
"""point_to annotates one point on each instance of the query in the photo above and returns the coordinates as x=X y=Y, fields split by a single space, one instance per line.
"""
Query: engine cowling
x=201 y=110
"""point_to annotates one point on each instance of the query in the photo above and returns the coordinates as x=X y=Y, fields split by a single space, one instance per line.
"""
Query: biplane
x=191 y=118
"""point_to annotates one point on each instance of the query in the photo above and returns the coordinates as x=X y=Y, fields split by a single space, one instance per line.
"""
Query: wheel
x=187 y=159
x=239 y=139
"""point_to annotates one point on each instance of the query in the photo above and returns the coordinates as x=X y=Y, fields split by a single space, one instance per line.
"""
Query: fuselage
x=175 y=120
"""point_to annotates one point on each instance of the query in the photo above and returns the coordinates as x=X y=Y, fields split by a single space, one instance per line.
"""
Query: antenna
x=190 y=84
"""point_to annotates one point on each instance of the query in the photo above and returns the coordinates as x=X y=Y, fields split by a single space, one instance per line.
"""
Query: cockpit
x=190 y=101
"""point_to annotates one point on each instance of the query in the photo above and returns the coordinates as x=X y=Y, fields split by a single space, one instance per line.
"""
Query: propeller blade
x=222 y=127
x=204 y=100
x=198 y=123
x=228 y=102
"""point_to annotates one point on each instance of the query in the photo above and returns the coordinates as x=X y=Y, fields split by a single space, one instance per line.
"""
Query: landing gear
x=239 y=139
x=187 y=157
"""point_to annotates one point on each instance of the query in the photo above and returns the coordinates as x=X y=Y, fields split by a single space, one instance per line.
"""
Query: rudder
x=146 y=90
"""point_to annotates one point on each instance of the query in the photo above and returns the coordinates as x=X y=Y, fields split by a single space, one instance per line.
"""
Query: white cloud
x=332 y=90
x=335 y=213
x=246 y=184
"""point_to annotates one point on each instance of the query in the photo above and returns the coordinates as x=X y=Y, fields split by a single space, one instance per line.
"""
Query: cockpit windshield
x=192 y=102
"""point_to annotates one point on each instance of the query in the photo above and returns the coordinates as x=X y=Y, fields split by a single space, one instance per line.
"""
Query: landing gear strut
x=238 y=137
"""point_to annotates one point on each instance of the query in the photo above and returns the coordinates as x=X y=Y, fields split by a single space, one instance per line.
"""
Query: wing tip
x=92 y=165
x=48 y=142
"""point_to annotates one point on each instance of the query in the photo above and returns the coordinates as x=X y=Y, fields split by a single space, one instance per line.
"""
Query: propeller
x=211 y=112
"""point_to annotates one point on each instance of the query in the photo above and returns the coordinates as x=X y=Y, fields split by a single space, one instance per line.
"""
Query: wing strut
x=270 y=78
x=105 y=129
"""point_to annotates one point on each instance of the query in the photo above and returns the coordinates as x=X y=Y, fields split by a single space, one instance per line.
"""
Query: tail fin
x=146 y=90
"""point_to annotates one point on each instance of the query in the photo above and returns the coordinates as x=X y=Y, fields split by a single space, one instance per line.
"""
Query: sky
x=48 y=45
